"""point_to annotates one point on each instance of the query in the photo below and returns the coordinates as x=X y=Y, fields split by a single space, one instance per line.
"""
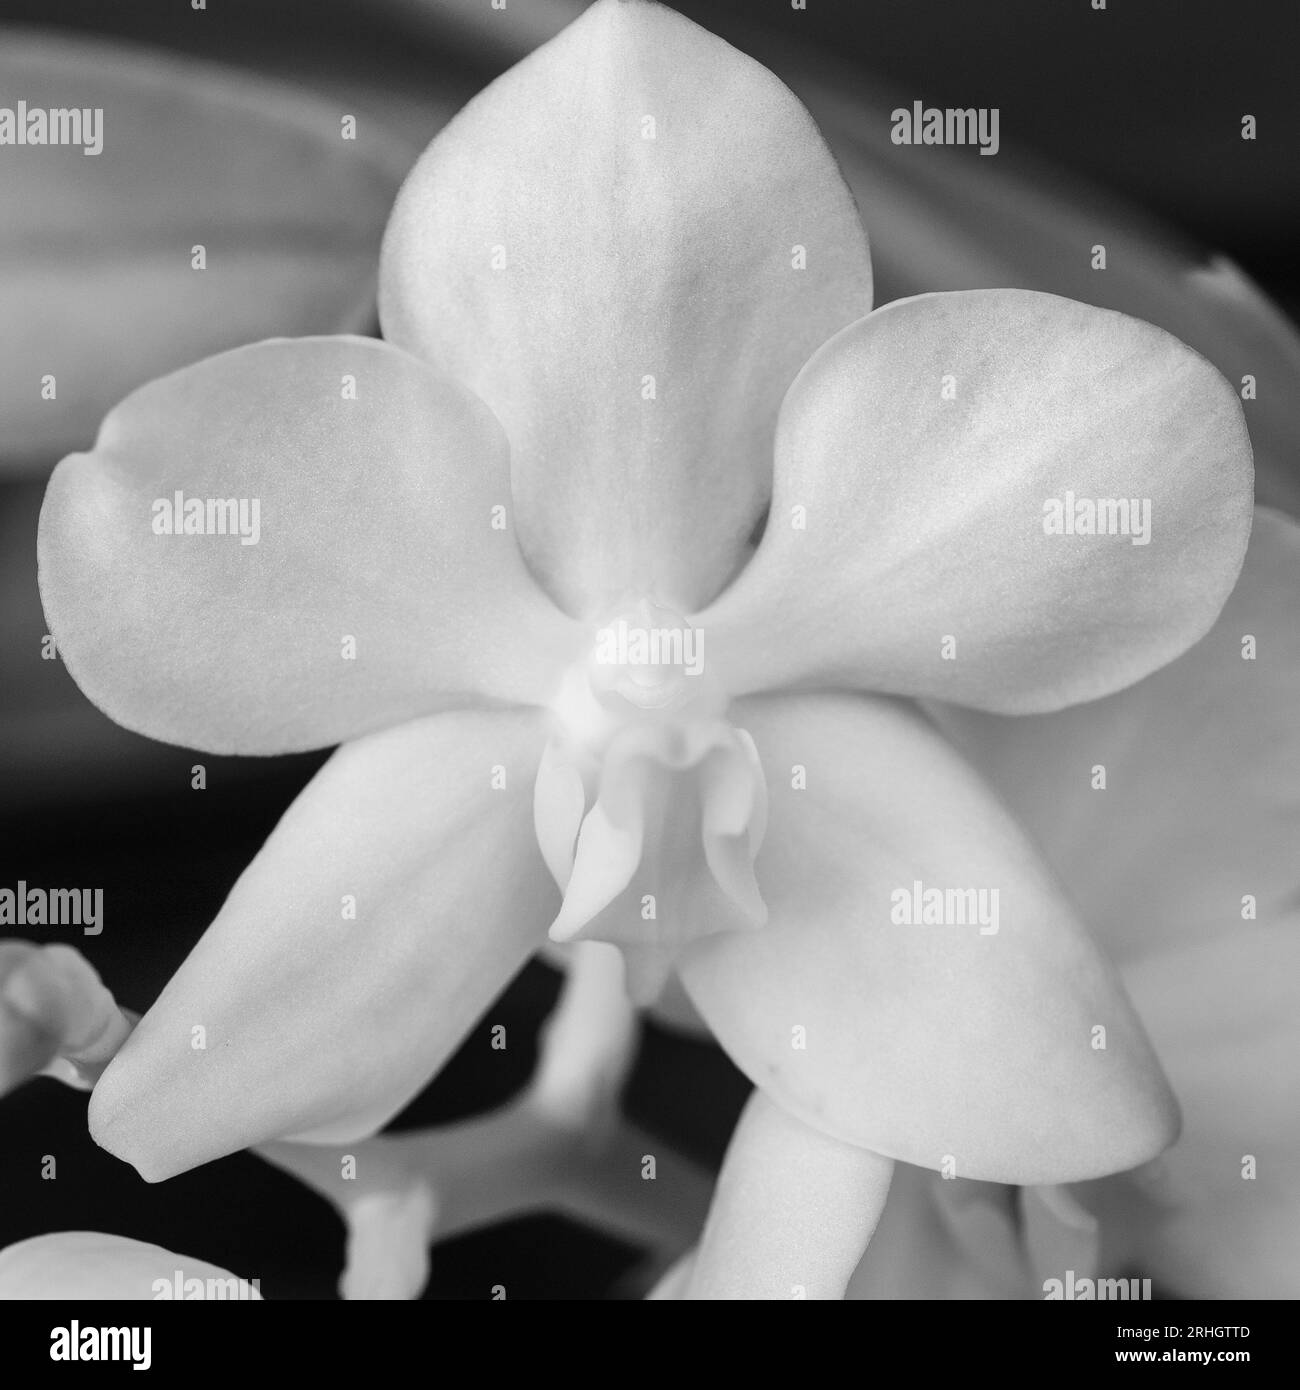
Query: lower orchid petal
x=395 y=899
x=91 y=1265
x=792 y=1213
x=1000 y=498
x=290 y=544
x=922 y=988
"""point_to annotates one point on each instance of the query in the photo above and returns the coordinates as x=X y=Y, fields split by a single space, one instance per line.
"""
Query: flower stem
x=562 y=1146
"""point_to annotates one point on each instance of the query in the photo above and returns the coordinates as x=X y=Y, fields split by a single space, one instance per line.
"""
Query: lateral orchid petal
x=398 y=895
x=921 y=460
x=948 y=223
x=971 y=1044
x=358 y=581
x=636 y=346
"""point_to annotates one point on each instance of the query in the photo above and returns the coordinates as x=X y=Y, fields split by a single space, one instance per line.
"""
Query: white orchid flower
x=627 y=302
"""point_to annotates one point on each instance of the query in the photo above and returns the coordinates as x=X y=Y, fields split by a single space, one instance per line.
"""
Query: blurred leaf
x=97 y=287
x=1147 y=98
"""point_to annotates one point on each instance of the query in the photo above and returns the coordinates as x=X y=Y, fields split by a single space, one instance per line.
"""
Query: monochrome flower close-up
x=899 y=695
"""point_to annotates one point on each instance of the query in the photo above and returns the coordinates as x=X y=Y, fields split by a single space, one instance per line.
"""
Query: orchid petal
x=946 y=222
x=941 y=1239
x=74 y=1265
x=792 y=1212
x=973 y=1047
x=57 y=750
x=1217 y=1215
x=635 y=348
x=374 y=582
x=1059 y=1233
x=1185 y=866
x=99 y=290
x=398 y=895
x=923 y=446
x=1201 y=800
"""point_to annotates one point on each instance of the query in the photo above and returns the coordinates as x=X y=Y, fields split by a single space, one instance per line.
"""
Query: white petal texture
x=917 y=458
x=1198 y=825
x=971 y=1045
x=319 y=1024
x=1201 y=803
x=99 y=1267
x=98 y=288
x=606 y=245
x=792 y=1213
x=1218 y=1216
x=374 y=522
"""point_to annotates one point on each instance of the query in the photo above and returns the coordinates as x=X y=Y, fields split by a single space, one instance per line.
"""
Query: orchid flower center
x=649 y=805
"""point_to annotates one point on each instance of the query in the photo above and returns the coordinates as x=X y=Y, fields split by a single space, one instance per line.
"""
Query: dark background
x=1144 y=98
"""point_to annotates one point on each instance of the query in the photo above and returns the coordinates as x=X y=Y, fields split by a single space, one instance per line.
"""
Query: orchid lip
x=643 y=784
